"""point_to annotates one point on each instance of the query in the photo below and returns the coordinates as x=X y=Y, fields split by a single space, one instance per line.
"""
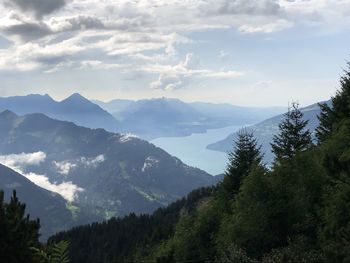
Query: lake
x=192 y=149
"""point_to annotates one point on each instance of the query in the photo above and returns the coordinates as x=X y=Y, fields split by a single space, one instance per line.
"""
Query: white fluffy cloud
x=180 y=75
x=64 y=167
x=23 y=159
x=19 y=162
x=67 y=190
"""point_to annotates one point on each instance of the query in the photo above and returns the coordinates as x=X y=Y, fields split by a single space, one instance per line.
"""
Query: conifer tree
x=17 y=232
x=293 y=136
x=246 y=152
x=332 y=115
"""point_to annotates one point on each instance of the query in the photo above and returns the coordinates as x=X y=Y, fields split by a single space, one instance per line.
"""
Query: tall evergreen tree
x=17 y=232
x=332 y=115
x=293 y=136
x=246 y=152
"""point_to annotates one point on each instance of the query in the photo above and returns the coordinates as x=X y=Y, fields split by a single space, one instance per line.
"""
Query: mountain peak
x=76 y=97
x=8 y=114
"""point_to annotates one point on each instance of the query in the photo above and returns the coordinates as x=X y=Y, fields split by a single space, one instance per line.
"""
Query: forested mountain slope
x=40 y=203
x=107 y=173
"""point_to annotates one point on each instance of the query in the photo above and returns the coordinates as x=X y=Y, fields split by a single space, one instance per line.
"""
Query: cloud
x=97 y=64
x=181 y=75
x=168 y=82
x=19 y=162
x=33 y=56
x=78 y=22
x=67 y=190
x=23 y=159
x=38 y=8
x=191 y=61
x=247 y=7
x=144 y=36
x=224 y=74
x=92 y=162
x=27 y=31
x=64 y=167
x=275 y=26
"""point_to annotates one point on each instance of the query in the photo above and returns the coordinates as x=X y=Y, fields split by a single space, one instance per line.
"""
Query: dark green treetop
x=17 y=232
x=293 y=136
x=246 y=152
x=332 y=115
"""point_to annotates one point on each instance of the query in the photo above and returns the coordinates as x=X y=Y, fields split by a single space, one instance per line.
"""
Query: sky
x=243 y=52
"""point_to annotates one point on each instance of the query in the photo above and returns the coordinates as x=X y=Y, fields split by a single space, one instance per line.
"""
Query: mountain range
x=75 y=108
x=149 y=119
x=104 y=173
x=265 y=130
x=164 y=117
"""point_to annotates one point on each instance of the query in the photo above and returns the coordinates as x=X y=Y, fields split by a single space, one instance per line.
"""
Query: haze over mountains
x=149 y=119
x=108 y=174
x=75 y=108
x=164 y=117
x=265 y=130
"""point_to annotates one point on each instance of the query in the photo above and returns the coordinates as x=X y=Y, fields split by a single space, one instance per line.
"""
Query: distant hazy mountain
x=40 y=203
x=115 y=107
x=75 y=108
x=265 y=130
x=172 y=117
x=109 y=173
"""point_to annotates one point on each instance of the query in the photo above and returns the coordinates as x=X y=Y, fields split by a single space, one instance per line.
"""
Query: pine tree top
x=293 y=135
x=331 y=116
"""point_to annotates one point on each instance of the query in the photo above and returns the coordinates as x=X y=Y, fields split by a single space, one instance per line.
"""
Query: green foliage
x=17 y=232
x=293 y=136
x=132 y=237
x=299 y=250
x=234 y=254
x=246 y=152
x=248 y=226
x=54 y=253
x=335 y=234
x=195 y=233
x=331 y=116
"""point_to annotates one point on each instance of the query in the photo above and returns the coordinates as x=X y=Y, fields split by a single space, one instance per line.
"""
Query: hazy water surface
x=192 y=149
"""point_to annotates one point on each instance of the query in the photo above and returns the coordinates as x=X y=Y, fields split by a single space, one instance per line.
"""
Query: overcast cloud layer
x=146 y=48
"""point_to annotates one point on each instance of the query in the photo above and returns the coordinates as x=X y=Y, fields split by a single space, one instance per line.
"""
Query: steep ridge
x=48 y=206
x=110 y=174
x=75 y=108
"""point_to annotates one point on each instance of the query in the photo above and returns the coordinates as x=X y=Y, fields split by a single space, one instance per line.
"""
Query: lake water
x=192 y=149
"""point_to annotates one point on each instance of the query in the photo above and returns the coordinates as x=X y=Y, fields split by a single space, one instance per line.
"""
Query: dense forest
x=296 y=210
